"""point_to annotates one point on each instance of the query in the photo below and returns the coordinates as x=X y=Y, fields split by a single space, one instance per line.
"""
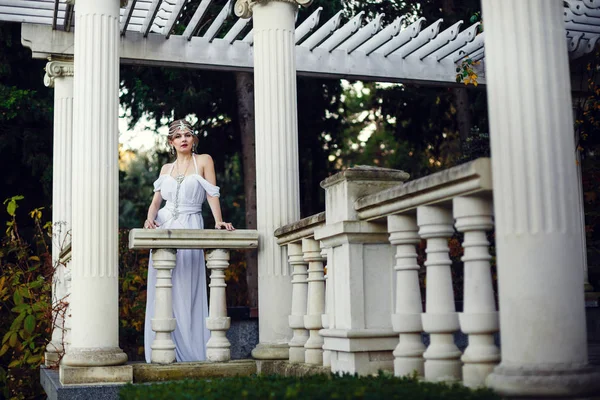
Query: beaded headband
x=180 y=126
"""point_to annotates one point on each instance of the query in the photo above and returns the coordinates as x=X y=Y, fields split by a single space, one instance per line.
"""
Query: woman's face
x=182 y=141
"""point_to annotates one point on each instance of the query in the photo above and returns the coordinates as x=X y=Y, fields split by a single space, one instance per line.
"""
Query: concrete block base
x=143 y=372
x=285 y=368
x=56 y=391
x=120 y=374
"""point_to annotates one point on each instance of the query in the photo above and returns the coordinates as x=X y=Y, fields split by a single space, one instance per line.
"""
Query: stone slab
x=143 y=372
x=243 y=335
x=56 y=391
x=119 y=374
x=285 y=368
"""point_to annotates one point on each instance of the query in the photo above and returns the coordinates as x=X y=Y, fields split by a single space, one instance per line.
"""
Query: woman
x=184 y=184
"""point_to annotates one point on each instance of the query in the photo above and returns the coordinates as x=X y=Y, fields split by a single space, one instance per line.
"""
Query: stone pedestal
x=59 y=75
x=538 y=232
x=94 y=297
x=359 y=337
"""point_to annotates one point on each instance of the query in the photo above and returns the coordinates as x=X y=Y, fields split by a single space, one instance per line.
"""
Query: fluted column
x=299 y=301
x=59 y=75
x=538 y=242
x=408 y=355
x=94 y=298
x=442 y=357
x=479 y=319
x=277 y=170
x=313 y=320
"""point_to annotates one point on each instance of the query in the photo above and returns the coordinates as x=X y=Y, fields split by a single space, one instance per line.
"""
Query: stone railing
x=164 y=244
x=375 y=319
x=308 y=314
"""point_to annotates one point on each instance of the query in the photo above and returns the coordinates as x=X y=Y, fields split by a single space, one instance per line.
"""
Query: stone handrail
x=472 y=178
x=164 y=243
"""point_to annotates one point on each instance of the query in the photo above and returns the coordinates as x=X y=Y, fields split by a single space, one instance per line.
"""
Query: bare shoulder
x=204 y=159
x=165 y=169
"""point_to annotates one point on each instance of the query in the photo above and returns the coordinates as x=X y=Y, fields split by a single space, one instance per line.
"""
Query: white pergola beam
x=192 y=27
x=174 y=17
x=402 y=38
x=148 y=21
x=323 y=32
x=238 y=56
x=422 y=38
x=382 y=37
x=466 y=36
x=236 y=29
x=364 y=34
x=126 y=15
x=308 y=25
x=437 y=42
x=215 y=27
x=343 y=33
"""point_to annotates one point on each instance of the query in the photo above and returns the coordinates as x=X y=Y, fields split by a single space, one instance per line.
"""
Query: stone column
x=538 y=239
x=59 y=75
x=277 y=170
x=94 y=298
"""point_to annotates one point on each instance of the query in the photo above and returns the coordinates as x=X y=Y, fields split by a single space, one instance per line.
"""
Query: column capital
x=57 y=69
x=243 y=8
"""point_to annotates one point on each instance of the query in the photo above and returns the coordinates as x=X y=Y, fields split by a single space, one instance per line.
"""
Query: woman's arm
x=213 y=202
x=150 y=221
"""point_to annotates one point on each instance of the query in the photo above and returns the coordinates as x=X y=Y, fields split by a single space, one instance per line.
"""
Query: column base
x=564 y=382
x=51 y=359
x=94 y=357
x=271 y=351
x=362 y=352
x=120 y=374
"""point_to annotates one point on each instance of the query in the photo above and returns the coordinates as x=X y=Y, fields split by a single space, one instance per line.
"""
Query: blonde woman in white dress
x=184 y=184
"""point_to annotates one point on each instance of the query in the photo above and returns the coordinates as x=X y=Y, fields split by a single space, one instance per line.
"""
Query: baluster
x=217 y=348
x=316 y=301
x=442 y=357
x=479 y=319
x=407 y=319
x=299 y=301
x=326 y=315
x=163 y=323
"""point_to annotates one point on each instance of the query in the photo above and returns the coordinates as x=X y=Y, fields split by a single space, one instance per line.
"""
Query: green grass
x=310 y=387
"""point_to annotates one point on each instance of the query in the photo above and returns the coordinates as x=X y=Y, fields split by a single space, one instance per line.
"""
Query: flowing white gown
x=190 y=304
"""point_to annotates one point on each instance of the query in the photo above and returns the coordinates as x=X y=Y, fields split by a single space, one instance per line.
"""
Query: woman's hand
x=151 y=224
x=226 y=225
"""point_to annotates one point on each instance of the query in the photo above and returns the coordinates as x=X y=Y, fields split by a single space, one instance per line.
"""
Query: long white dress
x=190 y=304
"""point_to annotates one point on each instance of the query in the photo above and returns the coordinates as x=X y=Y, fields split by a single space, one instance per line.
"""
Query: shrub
x=313 y=387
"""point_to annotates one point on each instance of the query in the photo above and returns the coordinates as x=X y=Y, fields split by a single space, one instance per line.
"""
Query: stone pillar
x=299 y=301
x=95 y=198
x=163 y=321
x=538 y=238
x=359 y=335
x=277 y=169
x=479 y=319
x=313 y=320
x=59 y=75
x=406 y=320
x=218 y=346
x=440 y=320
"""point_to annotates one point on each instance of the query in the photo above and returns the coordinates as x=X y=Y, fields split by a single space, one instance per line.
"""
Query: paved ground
x=594 y=353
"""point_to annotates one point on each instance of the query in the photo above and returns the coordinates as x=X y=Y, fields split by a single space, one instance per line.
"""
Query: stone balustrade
x=373 y=316
x=164 y=244
x=307 y=317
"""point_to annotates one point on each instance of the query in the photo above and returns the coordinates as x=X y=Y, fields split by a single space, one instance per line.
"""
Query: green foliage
x=25 y=124
x=310 y=387
x=25 y=305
